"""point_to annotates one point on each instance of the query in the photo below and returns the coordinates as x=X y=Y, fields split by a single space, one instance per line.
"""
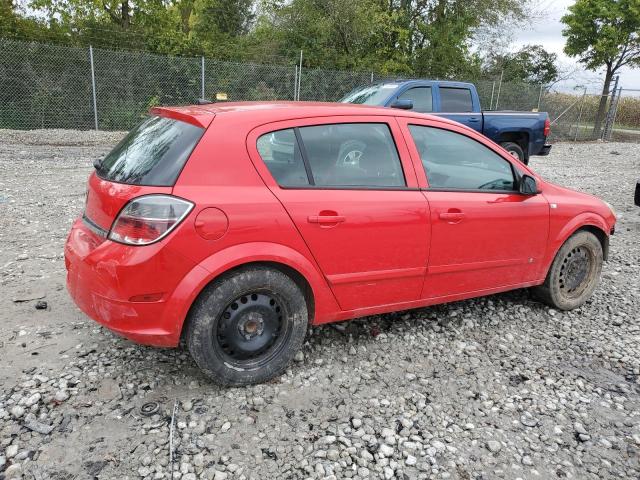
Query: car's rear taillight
x=147 y=219
x=547 y=127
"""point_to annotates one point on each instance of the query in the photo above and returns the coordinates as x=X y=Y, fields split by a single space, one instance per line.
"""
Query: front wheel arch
x=600 y=235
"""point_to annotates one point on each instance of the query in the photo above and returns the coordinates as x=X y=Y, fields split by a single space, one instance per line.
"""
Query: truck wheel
x=574 y=273
x=515 y=150
x=246 y=327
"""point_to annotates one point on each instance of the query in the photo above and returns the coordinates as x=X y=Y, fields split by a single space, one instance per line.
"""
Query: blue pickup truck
x=522 y=134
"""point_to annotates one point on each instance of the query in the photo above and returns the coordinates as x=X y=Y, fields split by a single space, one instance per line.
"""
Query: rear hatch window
x=153 y=153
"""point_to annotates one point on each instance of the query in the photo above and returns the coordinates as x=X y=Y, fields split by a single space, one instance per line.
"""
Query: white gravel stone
x=385 y=450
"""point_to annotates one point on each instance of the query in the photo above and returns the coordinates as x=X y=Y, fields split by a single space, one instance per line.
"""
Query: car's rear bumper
x=103 y=277
x=546 y=148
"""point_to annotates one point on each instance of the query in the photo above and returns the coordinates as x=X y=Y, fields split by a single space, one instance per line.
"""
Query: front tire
x=246 y=327
x=574 y=273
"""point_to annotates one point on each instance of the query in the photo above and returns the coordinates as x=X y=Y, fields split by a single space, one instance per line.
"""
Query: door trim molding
x=358 y=277
x=463 y=267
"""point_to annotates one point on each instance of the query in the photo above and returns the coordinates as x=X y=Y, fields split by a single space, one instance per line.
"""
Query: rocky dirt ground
x=495 y=388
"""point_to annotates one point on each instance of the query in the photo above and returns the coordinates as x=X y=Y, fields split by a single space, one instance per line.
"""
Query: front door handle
x=326 y=219
x=451 y=217
x=474 y=119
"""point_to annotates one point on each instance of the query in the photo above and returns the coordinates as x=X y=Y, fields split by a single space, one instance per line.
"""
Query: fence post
x=202 y=77
x=493 y=87
x=371 y=77
x=300 y=76
x=295 y=82
x=540 y=96
x=499 y=88
x=584 y=96
x=93 y=88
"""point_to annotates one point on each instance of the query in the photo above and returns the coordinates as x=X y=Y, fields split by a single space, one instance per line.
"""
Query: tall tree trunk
x=602 y=107
x=186 y=8
x=124 y=20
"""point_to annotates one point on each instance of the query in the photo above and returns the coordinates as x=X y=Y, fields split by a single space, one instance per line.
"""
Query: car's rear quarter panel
x=220 y=174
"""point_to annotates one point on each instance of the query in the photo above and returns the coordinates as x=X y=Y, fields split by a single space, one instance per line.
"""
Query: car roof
x=274 y=111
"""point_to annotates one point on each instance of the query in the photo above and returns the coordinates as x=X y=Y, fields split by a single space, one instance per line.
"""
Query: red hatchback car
x=237 y=225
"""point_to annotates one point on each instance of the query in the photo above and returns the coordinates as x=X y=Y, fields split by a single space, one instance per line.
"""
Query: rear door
x=458 y=104
x=350 y=188
x=484 y=235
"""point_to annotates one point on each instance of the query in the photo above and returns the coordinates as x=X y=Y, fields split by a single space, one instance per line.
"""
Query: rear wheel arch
x=217 y=270
x=299 y=279
x=519 y=138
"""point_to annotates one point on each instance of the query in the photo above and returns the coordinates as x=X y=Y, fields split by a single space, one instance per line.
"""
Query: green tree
x=603 y=33
x=219 y=26
x=409 y=37
x=530 y=64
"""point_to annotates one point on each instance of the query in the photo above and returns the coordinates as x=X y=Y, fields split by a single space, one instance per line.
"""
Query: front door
x=484 y=233
x=351 y=191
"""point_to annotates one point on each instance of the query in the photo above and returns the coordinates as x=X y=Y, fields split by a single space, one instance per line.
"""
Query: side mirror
x=403 y=104
x=528 y=185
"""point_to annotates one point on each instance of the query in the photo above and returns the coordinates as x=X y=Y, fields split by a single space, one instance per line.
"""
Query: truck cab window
x=455 y=100
x=421 y=98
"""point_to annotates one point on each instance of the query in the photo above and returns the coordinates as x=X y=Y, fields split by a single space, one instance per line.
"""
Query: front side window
x=281 y=154
x=352 y=155
x=153 y=153
x=421 y=98
x=455 y=100
x=456 y=162
x=370 y=95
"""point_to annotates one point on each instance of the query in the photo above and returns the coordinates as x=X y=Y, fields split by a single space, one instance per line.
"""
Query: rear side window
x=334 y=155
x=281 y=154
x=421 y=98
x=153 y=153
x=456 y=162
x=455 y=100
x=352 y=155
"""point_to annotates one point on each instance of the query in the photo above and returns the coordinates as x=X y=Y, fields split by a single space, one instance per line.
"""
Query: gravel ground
x=498 y=387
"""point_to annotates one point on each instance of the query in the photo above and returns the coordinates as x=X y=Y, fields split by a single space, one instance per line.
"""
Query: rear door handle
x=452 y=217
x=326 y=219
x=474 y=119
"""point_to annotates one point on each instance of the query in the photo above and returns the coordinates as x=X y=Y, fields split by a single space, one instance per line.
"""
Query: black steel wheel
x=574 y=273
x=246 y=327
x=576 y=270
x=252 y=329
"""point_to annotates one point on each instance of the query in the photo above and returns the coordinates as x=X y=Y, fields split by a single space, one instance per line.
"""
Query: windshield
x=371 y=95
x=153 y=153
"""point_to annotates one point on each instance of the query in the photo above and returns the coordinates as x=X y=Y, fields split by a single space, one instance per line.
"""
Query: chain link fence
x=52 y=86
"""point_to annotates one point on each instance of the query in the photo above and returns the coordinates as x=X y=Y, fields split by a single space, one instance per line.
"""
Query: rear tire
x=516 y=151
x=574 y=273
x=246 y=327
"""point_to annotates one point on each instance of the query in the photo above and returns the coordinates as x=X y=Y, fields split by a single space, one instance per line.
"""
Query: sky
x=547 y=31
